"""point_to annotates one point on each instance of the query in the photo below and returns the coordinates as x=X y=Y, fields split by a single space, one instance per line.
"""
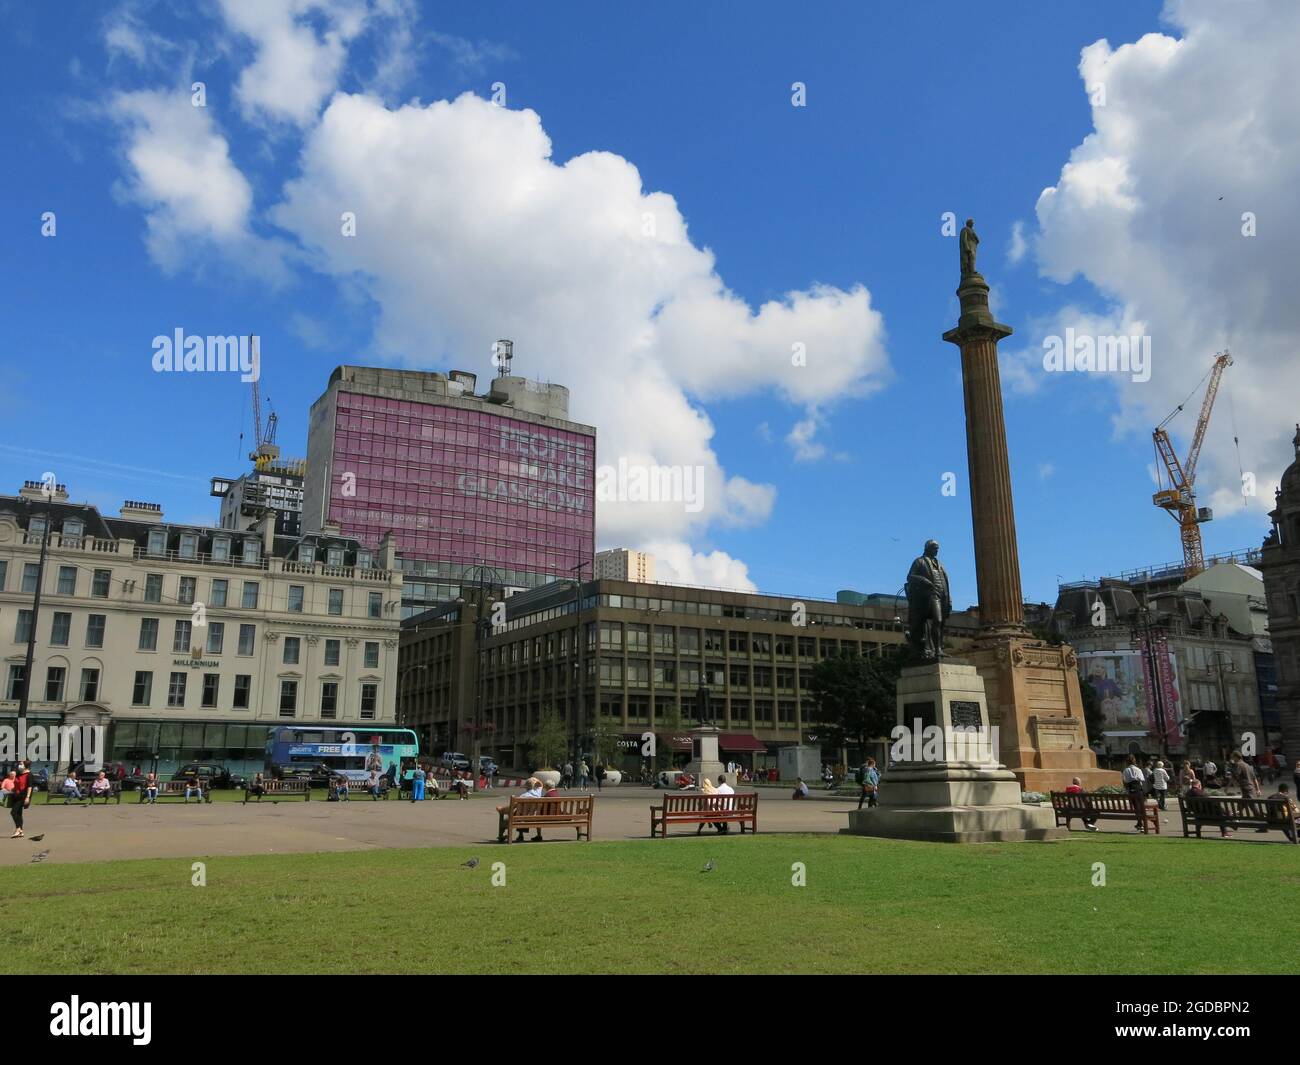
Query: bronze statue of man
x=969 y=243
x=928 y=604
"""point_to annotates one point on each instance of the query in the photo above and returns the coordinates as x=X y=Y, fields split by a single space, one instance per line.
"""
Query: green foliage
x=855 y=696
x=550 y=741
x=605 y=734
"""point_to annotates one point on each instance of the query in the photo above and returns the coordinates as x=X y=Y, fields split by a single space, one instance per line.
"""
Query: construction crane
x=1179 y=499
x=264 y=452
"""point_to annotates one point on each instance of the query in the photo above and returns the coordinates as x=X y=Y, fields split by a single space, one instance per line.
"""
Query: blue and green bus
x=351 y=752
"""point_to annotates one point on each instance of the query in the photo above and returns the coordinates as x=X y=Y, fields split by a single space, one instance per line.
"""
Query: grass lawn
x=644 y=906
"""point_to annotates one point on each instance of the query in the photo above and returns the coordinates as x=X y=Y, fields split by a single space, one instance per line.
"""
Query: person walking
x=1160 y=784
x=567 y=782
x=1135 y=784
x=583 y=773
x=869 y=778
x=21 y=797
x=1186 y=776
x=600 y=776
x=417 y=784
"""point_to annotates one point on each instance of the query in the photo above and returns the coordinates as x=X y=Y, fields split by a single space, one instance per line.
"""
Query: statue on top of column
x=969 y=244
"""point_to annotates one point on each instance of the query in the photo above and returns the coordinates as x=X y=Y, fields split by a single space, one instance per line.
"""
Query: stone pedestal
x=945 y=783
x=704 y=755
x=1035 y=700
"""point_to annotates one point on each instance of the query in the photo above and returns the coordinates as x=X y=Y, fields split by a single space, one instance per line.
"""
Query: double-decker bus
x=350 y=752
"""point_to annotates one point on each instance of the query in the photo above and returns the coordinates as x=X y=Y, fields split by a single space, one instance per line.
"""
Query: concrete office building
x=497 y=488
x=620 y=564
x=276 y=486
x=634 y=658
x=189 y=642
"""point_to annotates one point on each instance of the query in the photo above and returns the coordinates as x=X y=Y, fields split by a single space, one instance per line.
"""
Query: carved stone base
x=1034 y=699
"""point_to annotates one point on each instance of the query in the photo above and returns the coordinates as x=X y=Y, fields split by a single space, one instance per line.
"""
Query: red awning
x=741 y=743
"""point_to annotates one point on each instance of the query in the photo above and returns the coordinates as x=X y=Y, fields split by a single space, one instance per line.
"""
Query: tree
x=855 y=696
x=550 y=741
x=605 y=735
x=667 y=725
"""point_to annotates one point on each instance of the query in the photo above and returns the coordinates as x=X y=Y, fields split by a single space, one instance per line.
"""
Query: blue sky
x=912 y=110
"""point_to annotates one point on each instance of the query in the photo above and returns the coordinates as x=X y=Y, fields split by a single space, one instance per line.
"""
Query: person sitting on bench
x=342 y=784
x=195 y=786
x=151 y=787
x=534 y=791
x=258 y=787
x=102 y=785
x=1196 y=790
x=373 y=784
x=71 y=789
x=1292 y=810
x=1075 y=788
x=800 y=789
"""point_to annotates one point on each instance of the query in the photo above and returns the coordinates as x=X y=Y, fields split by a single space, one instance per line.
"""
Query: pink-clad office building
x=498 y=487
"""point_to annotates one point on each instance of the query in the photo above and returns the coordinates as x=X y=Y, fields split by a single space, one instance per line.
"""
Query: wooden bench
x=1100 y=806
x=558 y=811
x=697 y=809
x=86 y=795
x=1236 y=812
x=175 y=789
x=280 y=789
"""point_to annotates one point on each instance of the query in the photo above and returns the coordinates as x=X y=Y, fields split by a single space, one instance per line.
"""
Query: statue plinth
x=704 y=754
x=948 y=785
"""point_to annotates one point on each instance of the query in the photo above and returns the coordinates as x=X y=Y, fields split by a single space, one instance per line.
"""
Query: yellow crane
x=1179 y=499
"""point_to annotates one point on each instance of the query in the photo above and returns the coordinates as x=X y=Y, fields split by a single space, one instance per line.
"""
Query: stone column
x=997 y=560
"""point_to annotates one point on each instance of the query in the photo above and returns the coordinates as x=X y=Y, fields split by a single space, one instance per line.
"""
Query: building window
x=73 y=530
x=176 y=690
x=95 y=624
x=153 y=588
x=376 y=604
x=148 y=635
x=30 y=571
x=664 y=643
x=211 y=685
x=181 y=637
x=220 y=588
x=306 y=552
x=54 y=677
x=100 y=583
x=243 y=686
x=4 y=570
x=17 y=673
x=220 y=548
x=142 y=689
x=252 y=551
x=292 y=648
x=216 y=636
x=23 y=630
x=334 y=555
x=67 y=580
x=369 y=699
x=713 y=642
x=638 y=673
x=638 y=639
x=157 y=542
x=288 y=697
x=60 y=629
x=738 y=642
x=336 y=601
x=89 y=685
x=611 y=673
x=365 y=560
x=372 y=654
x=36 y=530
x=329 y=699
x=295 y=598
x=611 y=636
x=250 y=595
x=332 y=652
x=189 y=545
x=185 y=594
x=247 y=634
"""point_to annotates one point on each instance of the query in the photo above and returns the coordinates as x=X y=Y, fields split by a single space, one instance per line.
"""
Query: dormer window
x=335 y=555
x=157 y=541
x=306 y=553
x=252 y=551
x=36 y=529
x=365 y=560
x=73 y=528
x=189 y=545
x=221 y=549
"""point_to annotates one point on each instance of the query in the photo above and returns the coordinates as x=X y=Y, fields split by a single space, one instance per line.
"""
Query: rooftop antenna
x=502 y=352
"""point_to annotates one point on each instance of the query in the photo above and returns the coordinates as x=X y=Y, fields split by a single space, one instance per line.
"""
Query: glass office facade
x=461 y=489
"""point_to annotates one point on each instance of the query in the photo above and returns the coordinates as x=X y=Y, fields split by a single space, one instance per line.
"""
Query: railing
x=58 y=541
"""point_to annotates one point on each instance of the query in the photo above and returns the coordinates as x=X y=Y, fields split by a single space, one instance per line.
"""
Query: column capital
x=976 y=321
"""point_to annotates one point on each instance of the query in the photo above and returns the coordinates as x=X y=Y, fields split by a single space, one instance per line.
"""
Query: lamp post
x=482 y=629
x=403 y=715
